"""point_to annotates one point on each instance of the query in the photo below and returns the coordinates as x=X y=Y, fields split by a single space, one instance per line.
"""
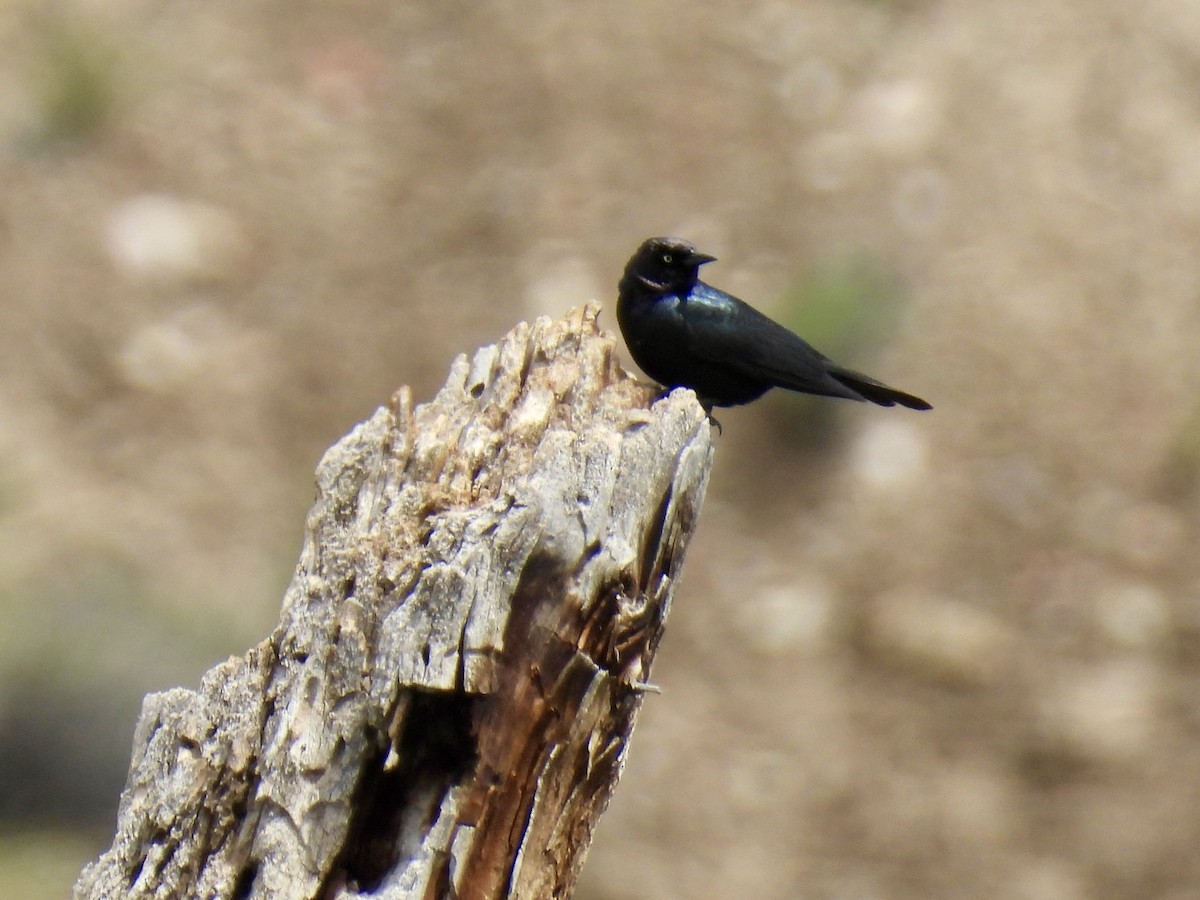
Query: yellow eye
x=668 y=258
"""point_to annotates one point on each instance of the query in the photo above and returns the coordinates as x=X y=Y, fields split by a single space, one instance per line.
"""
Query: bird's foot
x=712 y=420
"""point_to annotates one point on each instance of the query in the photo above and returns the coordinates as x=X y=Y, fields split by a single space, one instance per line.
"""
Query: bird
x=685 y=333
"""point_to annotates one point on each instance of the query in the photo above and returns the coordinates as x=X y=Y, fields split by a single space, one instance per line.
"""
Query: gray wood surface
x=446 y=704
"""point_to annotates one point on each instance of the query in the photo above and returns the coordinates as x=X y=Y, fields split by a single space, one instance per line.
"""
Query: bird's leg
x=712 y=420
x=706 y=405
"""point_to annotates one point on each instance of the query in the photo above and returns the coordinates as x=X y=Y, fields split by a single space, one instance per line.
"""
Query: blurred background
x=941 y=655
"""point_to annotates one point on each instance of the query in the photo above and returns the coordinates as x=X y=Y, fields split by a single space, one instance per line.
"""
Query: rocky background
x=941 y=655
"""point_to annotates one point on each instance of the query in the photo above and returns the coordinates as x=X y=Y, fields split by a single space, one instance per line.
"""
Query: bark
x=445 y=706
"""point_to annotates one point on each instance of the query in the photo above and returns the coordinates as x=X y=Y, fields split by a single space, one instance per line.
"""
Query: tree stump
x=445 y=706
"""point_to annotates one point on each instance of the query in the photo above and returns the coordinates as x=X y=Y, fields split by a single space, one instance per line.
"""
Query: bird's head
x=666 y=264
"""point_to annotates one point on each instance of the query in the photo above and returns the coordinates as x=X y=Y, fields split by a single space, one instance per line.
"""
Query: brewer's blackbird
x=684 y=333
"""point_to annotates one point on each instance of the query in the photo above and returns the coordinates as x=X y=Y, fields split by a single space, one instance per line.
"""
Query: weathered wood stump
x=446 y=704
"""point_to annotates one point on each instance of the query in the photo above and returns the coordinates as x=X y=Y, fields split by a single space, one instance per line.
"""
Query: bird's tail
x=876 y=391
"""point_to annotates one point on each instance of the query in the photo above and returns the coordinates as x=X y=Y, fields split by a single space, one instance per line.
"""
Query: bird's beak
x=700 y=259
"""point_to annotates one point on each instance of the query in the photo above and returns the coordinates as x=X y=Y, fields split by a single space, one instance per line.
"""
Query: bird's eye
x=668 y=258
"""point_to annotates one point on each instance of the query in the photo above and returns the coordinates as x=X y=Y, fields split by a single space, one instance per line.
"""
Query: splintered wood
x=446 y=704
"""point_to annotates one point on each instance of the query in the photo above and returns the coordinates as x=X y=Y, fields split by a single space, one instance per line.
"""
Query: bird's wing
x=733 y=334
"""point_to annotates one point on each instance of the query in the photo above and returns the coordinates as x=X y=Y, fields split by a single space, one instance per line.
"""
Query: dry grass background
x=945 y=655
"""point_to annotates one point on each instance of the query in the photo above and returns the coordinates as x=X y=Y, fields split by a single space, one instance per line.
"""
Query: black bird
x=684 y=333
